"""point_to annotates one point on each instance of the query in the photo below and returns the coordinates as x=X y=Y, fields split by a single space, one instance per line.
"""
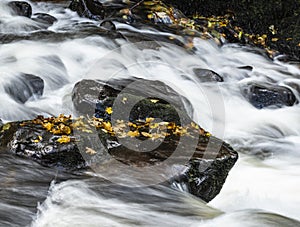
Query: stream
x=262 y=189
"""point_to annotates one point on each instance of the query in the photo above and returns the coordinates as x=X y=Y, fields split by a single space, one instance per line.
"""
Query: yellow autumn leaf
x=109 y=110
x=146 y=134
x=130 y=124
x=107 y=126
x=154 y=100
x=152 y=126
x=86 y=130
x=171 y=126
x=194 y=125
x=64 y=139
x=48 y=126
x=149 y=119
x=65 y=129
x=38 y=139
x=6 y=127
x=240 y=35
x=133 y=133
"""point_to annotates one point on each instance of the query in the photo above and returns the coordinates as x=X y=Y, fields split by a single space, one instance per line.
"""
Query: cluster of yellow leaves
x=56 y=125
x=155 y=130
x=148 y=128
x=61 y=125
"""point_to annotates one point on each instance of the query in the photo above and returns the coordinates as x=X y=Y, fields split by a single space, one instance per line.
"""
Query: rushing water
x=261 y=190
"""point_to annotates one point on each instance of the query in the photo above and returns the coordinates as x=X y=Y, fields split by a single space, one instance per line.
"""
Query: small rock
x=265 y=95
x=206 y=75
x=44 y=18
x=107 y=24
x=246 y=67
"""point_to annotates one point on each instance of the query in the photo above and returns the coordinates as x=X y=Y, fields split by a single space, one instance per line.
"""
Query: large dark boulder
x=201 y=160
x=21 y=8
x=24 y=87
x=264 y=95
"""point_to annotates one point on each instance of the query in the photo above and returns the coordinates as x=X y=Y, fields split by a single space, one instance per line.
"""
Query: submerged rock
x=24 y=87
x=21 y=8
x=44 y=18
x=205 y=75
x=266 y=95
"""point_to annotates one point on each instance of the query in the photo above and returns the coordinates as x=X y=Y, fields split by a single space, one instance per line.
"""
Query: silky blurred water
x=262 y=189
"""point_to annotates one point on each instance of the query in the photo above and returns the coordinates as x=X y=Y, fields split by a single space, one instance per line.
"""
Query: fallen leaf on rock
x=64 y=139
x=154 y=100
x=90 y=151
x=109 y=110
x=133 y=133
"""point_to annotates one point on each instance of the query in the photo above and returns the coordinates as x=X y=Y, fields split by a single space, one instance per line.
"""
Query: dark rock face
x=21 y=8
x=92 y=9
x=262 y=96
x=25 y=87
x=204 y=161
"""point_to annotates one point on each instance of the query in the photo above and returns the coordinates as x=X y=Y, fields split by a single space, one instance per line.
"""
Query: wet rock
x=158 y=132
x=109 y=25
x=266 y=95
x=91 y=97
x=24 y=87
x=44 y=18
x=246 y=67
x=92 y=9
x=21 y=8
x=205 y=75
x=33 y=141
